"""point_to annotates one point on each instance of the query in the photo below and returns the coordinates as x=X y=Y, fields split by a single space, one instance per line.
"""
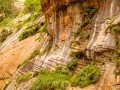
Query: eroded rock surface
x=64 y=18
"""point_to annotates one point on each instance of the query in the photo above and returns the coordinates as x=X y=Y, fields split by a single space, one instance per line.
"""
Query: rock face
x=89 y=23
x=64 y=17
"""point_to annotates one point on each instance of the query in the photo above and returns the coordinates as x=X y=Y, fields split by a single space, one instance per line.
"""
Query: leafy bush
x=6 y=7
x=35 y=53
x=88 y=75
x=90 y=10
x=71 y=65
x=30 y=19
x=32 y=6
x=28 y=32
x=39 y=28
x=116 y=28
x=50 y=80
x=5 y=21
x=4 y=34
x=36 y=73
x=24 y=77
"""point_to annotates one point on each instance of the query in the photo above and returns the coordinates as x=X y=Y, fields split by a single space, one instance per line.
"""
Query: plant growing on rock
x=32 y=6
x=90 y=10
x=116 y=28
x=24 y=77
x=72 y=64
x=50 y=80
x=35 y=53
x=88 y=75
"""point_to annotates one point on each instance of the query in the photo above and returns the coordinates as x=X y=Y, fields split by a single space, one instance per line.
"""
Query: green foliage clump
x=32 y=6
x=26 y=33
x=85 y=22
x=35 y=53
x=39 y=28
x=116 y=28
x=24 y=77
x=36 y=73
x=4 y=34
x=74 y=43
x=5 y=21
x=43 y=29
x=30 y=19
x=88 y=75
x=6 y=7
x=50 y=80
x=90 y=10
x=72 y=64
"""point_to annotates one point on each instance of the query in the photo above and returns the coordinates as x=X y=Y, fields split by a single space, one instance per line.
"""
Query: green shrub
x=35 y=53
x=5 y=21
x=88 y=75
x=4 y=34
x=28 y=32
x=24 y=77
x=90 y=10
x=32 y=6
x=72 y=64
x=6 y=7
x=36 y=73
x=30 y=19
x=50 y=80
x=116 y=28
x=39 y=28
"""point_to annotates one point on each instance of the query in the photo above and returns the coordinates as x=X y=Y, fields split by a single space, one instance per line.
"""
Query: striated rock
x=64 y=19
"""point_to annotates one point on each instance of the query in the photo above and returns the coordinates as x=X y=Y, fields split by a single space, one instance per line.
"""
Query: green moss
x=24 y=77
x=50 y=80
x=88 y=75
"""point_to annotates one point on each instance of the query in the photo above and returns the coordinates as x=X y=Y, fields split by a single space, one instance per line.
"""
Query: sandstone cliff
x=94 y=24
